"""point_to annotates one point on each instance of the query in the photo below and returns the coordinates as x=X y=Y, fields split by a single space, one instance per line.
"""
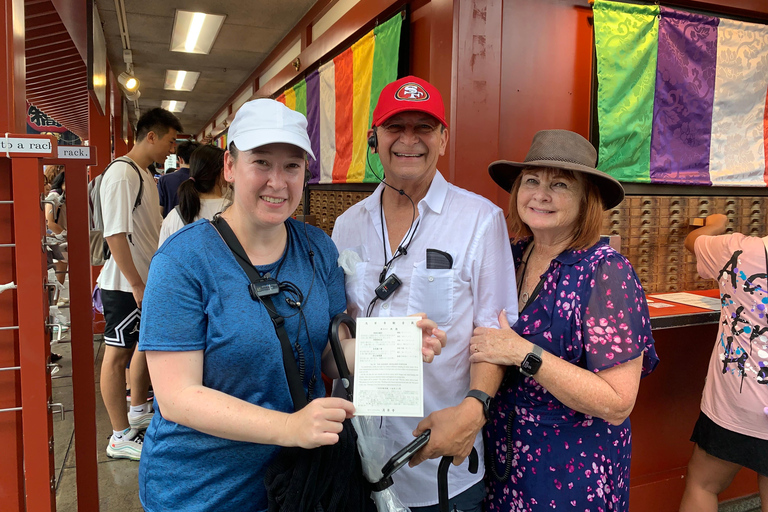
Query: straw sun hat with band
x=560 y=149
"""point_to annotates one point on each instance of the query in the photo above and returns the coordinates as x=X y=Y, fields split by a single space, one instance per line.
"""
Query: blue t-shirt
x=197 y=299
x=168 y=188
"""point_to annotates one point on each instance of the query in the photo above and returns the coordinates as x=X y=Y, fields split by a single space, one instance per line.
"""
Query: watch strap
x=537 y=350
x=484 y=399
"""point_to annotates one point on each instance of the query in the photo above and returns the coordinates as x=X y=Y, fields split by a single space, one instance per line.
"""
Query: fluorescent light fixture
x=195 y=32
x=180 y=80
x=180 y=76
x=173 y=105
x=129 y=82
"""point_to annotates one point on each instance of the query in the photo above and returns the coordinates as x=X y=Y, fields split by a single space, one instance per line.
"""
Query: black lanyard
x=298 y=395
x=401 y=249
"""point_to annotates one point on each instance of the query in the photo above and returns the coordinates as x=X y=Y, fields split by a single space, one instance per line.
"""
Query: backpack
x=99 y=248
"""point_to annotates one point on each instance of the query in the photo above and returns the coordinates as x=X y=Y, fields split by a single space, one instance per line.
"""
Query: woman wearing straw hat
x=223 y=414
x=559 y=433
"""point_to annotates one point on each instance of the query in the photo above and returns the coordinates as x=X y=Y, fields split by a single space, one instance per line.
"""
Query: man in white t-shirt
x=421 y=244
x=132 y=230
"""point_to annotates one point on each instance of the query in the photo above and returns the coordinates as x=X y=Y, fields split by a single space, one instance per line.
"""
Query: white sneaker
x=127 y=447
x=141 y=421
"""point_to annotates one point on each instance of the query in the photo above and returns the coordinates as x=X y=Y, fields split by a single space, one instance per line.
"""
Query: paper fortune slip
x=389 y=378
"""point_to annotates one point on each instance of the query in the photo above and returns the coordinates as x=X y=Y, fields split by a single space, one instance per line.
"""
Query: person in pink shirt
x=732 y=429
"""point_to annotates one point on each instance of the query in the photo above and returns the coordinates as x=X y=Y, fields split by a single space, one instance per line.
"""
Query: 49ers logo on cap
x=411 y=92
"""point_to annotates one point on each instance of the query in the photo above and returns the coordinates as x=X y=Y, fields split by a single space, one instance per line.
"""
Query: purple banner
x=685 y=90
x=313 y=123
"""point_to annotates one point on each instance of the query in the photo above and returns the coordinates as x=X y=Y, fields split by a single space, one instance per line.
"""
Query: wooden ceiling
x=57 y=78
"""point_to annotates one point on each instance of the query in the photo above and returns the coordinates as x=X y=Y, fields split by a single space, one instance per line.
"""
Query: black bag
x=324 y=479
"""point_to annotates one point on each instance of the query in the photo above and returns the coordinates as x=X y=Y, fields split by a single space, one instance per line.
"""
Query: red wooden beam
x=81 y=314
x=34 y=347
x=62 y=55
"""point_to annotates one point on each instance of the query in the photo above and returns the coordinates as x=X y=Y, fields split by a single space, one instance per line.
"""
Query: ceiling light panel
x=180 y=80
x=195 y=32
x=173 y=105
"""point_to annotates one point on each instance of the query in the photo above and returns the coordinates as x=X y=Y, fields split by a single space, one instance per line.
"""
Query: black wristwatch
x=532 y=362
x=484 y=399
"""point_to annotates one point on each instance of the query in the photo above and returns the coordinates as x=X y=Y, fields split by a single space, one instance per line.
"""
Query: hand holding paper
x=432 y=339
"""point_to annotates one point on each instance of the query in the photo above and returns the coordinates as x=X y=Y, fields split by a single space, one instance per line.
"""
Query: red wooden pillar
x=32 y=299
x=476 y=94
x=12 y=117
x=99 y=127
x=76 y=159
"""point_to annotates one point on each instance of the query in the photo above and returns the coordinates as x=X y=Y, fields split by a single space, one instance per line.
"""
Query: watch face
x=530 y=364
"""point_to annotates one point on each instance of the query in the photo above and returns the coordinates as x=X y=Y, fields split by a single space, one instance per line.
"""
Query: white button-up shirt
x=471 y=294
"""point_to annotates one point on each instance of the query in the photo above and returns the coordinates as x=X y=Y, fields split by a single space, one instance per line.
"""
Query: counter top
x=679 y=315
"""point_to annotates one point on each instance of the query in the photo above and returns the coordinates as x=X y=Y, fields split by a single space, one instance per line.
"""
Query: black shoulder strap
x=298 y=395
x=128 y=161
x=178 y=211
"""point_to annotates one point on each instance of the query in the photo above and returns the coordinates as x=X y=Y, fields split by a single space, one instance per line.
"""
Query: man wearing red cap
x=421 y=244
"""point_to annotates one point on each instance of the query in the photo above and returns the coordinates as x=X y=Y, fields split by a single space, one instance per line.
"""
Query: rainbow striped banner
x=338 y=100
x=681 y=96
x=221 y=141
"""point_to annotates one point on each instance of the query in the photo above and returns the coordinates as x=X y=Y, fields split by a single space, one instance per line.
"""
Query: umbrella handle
x=338 y=353
x=442 y=476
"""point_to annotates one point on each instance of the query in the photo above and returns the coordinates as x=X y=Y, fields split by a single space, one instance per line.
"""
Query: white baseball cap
x=264 y=121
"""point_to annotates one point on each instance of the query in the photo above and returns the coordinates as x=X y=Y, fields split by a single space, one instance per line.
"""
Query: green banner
x=301 y=97
x=626 y=39
x=386 y=54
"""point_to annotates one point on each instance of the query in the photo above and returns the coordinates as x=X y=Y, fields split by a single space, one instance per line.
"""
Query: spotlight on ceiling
x=133 y=96
x=129 y=82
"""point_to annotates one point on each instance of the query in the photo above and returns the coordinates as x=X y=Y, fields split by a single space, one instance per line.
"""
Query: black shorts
x=122 y=317
x=750 y=452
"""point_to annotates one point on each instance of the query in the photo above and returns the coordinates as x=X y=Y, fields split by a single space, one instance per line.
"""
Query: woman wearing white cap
x=223 y=413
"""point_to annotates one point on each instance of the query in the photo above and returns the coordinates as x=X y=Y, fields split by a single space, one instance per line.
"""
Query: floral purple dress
x=592 y=312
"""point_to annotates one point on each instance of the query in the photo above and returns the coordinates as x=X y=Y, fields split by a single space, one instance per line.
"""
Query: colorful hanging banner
x=338 y=100
x=681 y=96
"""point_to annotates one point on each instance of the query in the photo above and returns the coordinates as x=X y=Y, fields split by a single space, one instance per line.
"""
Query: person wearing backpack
x=130 y=212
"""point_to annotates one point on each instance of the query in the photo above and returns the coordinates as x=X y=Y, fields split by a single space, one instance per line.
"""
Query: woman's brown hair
x=590 y=215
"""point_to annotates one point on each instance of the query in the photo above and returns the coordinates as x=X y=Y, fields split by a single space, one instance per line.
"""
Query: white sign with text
x=25 y=145
x=75 y=152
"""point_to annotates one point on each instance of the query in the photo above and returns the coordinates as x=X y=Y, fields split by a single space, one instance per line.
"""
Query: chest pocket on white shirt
x=432 y=293
x=355 y=263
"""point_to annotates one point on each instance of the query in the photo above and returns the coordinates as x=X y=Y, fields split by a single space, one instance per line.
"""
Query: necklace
x=524 y=296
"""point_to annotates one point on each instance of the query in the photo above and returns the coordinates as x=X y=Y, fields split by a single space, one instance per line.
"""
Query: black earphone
x=296 y=298
x=373 y=141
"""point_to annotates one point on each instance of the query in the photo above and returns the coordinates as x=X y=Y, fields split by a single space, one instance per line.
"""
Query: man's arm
x=714 y=225
x=121 y=252
x=455 y=429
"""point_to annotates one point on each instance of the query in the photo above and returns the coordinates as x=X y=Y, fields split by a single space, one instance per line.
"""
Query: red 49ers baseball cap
x=409 y=94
